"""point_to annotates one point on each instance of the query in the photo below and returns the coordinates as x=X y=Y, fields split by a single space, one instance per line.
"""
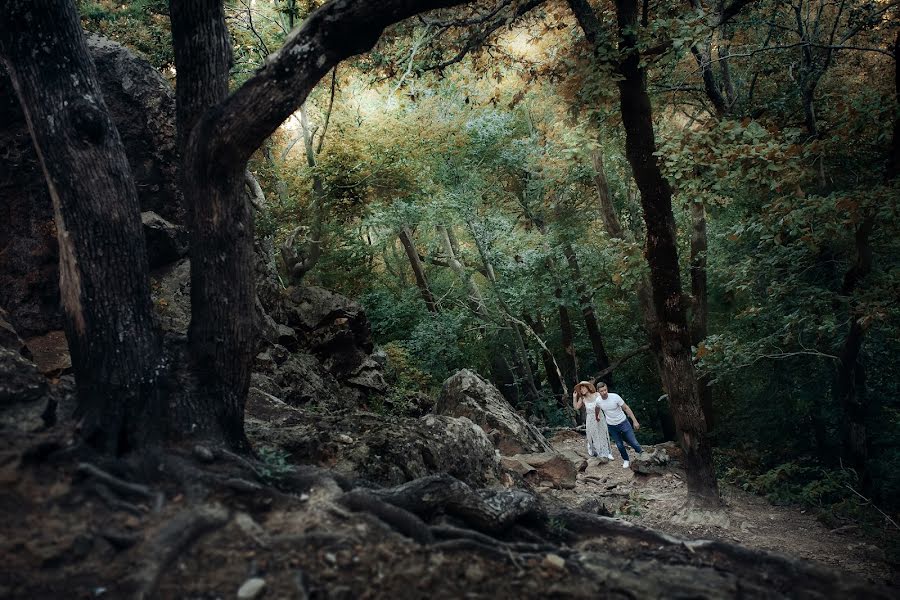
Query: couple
x=596 y=400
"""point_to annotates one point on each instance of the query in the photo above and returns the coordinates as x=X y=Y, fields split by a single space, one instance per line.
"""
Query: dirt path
x=653 y=500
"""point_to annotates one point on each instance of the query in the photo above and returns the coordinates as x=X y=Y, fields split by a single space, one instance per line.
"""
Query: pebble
x=555 y=560
x=252 y=588
x=203 y=453
x=474 y=572
x=344 y=438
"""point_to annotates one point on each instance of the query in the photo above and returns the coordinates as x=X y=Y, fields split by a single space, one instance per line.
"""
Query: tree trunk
x=222 y=333
x=662 y=255
x=524 y=365
x=537 y=325
x=473 y=295
x=587 y=312
x=567 y=333
x=417 y=268
x=104 y=283
x=700 y=308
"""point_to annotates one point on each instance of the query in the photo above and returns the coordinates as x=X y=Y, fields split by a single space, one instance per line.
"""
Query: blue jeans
x=624 y=430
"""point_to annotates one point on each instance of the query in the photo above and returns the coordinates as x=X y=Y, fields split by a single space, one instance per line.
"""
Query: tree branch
x=233 y=130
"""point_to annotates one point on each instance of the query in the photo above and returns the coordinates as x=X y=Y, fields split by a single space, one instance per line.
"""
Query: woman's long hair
x=587 y=384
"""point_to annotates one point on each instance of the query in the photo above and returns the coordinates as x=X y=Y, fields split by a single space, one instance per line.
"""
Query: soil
x=63 y=536
x=655 y=501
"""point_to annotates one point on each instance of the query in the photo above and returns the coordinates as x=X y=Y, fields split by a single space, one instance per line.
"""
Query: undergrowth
x=831 y=493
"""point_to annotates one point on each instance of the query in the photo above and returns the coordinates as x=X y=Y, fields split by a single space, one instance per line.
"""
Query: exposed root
x=114 y=483
x=485 y=510
x=176 y=536
x=115 y=503
x=399 y=519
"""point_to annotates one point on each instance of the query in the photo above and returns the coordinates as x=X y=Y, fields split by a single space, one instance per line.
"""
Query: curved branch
x=233 y=130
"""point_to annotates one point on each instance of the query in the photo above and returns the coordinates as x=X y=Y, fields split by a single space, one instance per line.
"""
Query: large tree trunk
x=473 y=294
x=661 y=252
x=417 y=268
x=223 y=287
x=104 y=283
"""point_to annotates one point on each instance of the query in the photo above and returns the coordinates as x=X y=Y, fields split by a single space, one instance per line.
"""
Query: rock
x=579 y=461
x=655 y=462
x=554 y=561
x=142 y=106
x=21 y=387
x=550 y=467
x=9 y=338
x=171 y=293
x=515 y=465
x=252 y=588
x=204 y=454
x=386 y=450
x=466 y=394
x=50 y=352
x=166 y=242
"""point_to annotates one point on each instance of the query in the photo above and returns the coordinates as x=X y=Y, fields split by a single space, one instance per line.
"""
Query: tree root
x=485 y=510
x=170 y=541
x=114 y=483
x=399 y=519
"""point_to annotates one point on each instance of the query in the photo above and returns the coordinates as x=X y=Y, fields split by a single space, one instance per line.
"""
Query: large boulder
x=142 y=106
x=385 y=450
x=466 y=394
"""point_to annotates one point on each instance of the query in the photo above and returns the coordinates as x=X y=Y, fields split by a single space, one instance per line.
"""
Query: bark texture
x=103 y=260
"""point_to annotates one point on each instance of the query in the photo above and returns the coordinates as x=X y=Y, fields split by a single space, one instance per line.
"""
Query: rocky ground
x=654 y=501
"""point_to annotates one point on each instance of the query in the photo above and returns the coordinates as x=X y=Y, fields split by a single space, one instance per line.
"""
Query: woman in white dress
x=585 y=394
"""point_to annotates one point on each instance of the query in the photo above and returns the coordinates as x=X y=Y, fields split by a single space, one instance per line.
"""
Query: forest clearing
x=446 y=299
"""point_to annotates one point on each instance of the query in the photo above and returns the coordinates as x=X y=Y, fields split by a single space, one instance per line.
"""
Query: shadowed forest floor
x=653 y=500
x=72 y=538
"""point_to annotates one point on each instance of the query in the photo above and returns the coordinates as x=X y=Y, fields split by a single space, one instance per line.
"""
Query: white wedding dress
x=597 y=434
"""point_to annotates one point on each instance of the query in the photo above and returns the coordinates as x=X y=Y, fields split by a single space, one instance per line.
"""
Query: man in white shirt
x=615 y=409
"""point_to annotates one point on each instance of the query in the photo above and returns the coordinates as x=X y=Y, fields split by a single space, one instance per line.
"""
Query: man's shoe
x=626 y=464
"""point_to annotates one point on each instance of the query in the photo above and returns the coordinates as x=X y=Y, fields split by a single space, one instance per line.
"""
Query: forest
x=261 y=259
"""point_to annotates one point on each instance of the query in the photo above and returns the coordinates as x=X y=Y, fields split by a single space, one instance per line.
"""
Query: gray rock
x=142 y=106
x=252 y=588
x=23 y=392
x=655 y=462
x=466 y=394
x=20 y=380
x=9 y=338
x=171 y=293
x=386 y=450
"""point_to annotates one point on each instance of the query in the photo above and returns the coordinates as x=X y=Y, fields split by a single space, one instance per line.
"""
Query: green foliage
x=275 y=465
x=142 y=25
